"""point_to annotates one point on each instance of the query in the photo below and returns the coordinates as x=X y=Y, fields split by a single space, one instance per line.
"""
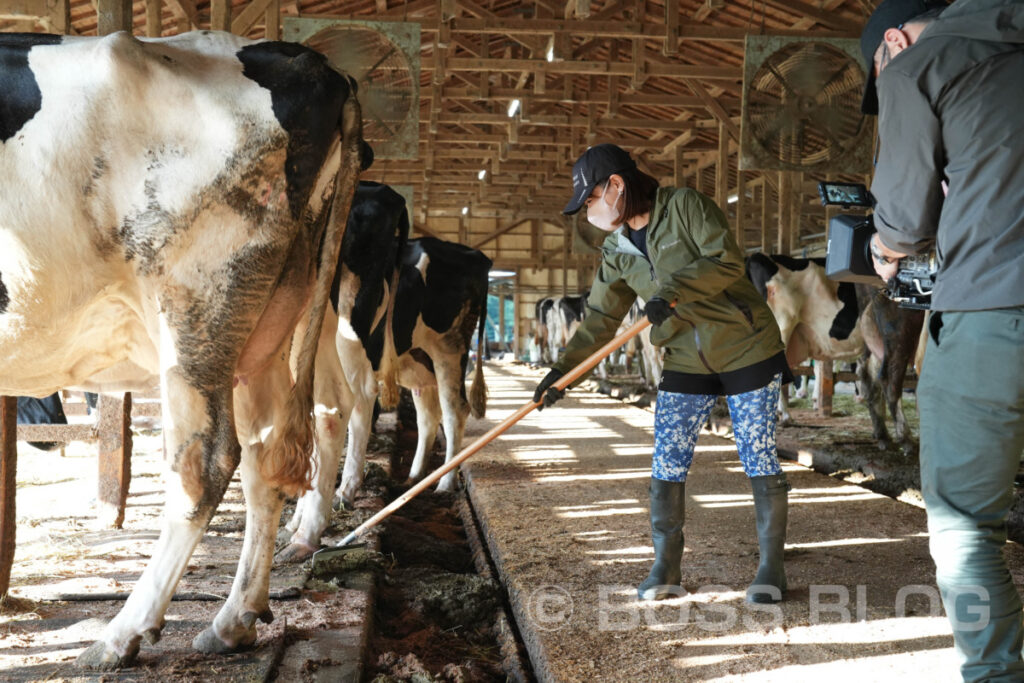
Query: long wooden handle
x=563 y=382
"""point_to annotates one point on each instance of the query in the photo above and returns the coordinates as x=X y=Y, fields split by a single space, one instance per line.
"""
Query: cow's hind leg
x=260 y=404
x=428 y=418
x=332 y=406
x=454 y=410
x=871 y=388
x=202 y=453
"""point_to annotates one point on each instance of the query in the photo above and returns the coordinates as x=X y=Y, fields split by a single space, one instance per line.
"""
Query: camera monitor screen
x=845 y=194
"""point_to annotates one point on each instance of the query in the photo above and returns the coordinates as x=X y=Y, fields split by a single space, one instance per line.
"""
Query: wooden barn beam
x=272 y=21
x=671 y=44
x=516 y=222
x=611 y=28
x=54 y=14
x=823 y=17
x=185 y=9
x=220 y=15
x=713 y=106
x=113 y=16
x=585 y=68
x=154 y=18
x=247 y=18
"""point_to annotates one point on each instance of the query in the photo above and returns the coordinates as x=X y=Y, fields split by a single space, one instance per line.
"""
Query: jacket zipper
x=700 y=352
x=742 y=308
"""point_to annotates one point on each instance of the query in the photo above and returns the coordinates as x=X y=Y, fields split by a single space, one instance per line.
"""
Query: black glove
x=546 y=392
x=658 y=310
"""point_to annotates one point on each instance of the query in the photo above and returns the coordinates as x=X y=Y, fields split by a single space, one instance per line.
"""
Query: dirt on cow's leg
x=257 y=406
x=202 y=456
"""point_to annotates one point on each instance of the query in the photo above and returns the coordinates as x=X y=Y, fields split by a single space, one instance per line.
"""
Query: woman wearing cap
x=673 y=246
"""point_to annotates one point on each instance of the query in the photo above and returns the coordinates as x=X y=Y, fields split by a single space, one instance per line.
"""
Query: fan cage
x=801 y=108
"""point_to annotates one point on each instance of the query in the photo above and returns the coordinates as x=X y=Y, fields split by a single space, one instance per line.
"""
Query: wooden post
x=60 y=16
x=220 y=15
x=154 y=22
x=115 y=464
x=785 y=226
x=828 y=386
x=8 y=482
x=765 y=214
x=722 y=170
x=517 y=302
x=501 y=318
x=566 y=233
x=113 y=16
x=272 y=21
x=741 y=207
x=796 y=195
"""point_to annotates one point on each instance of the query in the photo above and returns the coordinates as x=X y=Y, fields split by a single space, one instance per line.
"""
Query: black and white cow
x=164 y=206
x=571 y=310
x=546 y=330
x=557 y=320
x=434 y=300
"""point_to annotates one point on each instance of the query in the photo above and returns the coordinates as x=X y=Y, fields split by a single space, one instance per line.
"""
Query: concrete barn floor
x=562 y=502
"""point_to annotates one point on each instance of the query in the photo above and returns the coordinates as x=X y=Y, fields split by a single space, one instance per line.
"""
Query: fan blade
x=369 y=71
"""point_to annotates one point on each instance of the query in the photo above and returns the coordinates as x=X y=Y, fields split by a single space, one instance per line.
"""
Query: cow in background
x=817 y=317
x=557 y=320
x=570 y=313
x=898 y=332
x=164 y=203
x=827 y=321
x=543 y=334
x=405 y=312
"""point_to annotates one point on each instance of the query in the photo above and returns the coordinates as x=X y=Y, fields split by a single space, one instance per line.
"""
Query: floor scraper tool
x=563 y=382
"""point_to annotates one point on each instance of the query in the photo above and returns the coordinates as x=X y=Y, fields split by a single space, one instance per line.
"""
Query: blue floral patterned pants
x=679 y=417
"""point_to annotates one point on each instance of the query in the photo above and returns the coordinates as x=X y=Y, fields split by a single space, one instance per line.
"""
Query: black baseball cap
x=889 y=14
x=594 y=166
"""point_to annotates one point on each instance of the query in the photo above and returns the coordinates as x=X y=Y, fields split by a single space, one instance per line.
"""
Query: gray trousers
x=971 y=403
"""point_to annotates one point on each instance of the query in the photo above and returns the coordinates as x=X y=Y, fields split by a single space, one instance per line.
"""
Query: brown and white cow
x=829 y=321
x=434 y=302
x=162 y=209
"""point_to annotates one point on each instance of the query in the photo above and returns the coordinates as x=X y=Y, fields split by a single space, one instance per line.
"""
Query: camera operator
x=948 y=88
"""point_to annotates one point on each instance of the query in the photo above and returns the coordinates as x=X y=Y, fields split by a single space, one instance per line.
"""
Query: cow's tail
x=478 y=390
x=288 y=462
x=390 y=394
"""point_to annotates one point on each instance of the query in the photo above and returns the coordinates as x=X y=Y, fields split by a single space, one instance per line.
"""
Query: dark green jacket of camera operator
x=952 y=106
x=723 y=323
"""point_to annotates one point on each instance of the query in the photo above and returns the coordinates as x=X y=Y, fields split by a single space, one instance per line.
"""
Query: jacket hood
x=998 y=21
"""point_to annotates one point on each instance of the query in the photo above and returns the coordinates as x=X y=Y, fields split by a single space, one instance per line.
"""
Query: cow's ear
x=365 y=156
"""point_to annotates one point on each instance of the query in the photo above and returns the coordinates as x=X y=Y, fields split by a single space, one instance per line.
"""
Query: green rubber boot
x=667 y=515
x=771 y=504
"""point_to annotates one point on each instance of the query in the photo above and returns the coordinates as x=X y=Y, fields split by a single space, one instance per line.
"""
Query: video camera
x=848 y=257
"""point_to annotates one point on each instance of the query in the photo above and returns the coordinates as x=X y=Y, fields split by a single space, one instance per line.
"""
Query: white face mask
x=602 y=215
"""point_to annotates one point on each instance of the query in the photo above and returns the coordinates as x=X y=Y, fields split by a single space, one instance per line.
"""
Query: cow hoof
x=447 y=484
x=208 y=642
x=99 y=657
x=294 y=552
x=152 y=636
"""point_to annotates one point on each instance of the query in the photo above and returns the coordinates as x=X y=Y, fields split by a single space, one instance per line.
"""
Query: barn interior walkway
x=562 y=500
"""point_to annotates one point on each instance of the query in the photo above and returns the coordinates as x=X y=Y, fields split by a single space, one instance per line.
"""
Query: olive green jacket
x=723 y=324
